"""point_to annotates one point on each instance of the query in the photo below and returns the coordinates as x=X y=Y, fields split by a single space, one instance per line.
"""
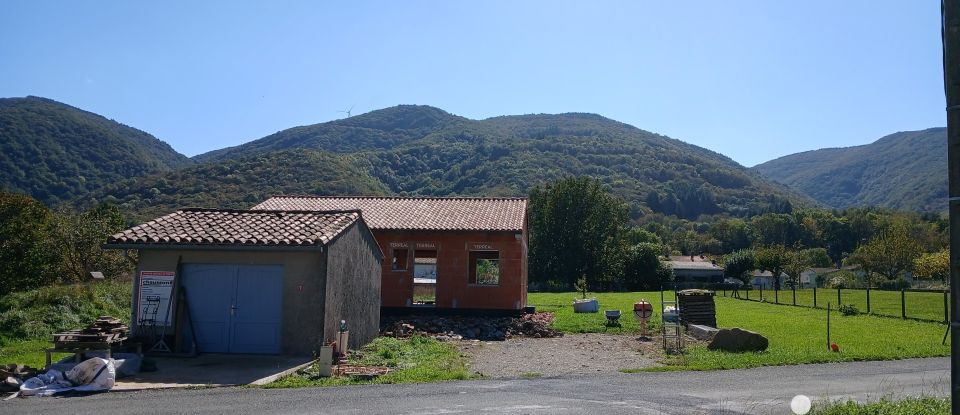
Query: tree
x=797 y=263
x=733 y=234
x=816 y=257
x=773 y=258
x=26 y=260
x=774 y=229
x=77 y=238
x=738 y=265
x=890 y=253
x=934 y=266
x=642 y=268
x=576 y=229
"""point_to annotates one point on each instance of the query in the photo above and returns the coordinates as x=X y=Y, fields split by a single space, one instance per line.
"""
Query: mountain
x=239 y=183
x=421 y=150
x=906 y=171
x=56 y=152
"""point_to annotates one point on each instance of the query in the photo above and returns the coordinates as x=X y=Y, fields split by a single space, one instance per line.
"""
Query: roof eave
x=213 y=247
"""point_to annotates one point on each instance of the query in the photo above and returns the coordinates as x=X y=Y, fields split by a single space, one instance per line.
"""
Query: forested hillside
x=420 y=150
x=238 y=183
x=55 y=152
x=905 y=171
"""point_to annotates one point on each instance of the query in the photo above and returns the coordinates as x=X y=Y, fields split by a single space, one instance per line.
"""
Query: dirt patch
x=471 y=328
x=570 y=355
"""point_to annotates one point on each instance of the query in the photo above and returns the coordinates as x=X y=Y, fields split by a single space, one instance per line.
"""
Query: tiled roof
x=239 y=227
x=417 y=213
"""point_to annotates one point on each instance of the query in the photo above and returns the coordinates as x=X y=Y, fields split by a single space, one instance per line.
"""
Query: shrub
x=848 y=310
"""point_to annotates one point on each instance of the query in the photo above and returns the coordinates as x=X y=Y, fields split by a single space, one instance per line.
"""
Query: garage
x=244 y=282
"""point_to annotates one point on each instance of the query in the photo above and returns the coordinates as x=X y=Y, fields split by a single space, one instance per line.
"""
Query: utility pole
x=950 y=31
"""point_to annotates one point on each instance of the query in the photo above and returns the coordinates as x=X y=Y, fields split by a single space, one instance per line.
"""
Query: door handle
x=233 y=309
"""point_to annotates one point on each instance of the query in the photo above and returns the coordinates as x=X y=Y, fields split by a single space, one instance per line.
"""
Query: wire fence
x=916 y=304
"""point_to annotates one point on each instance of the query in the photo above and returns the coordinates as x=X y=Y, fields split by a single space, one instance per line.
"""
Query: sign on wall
x=153 y=298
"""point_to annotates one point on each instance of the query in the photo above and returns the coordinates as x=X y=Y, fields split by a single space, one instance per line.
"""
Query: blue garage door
x=235 y=308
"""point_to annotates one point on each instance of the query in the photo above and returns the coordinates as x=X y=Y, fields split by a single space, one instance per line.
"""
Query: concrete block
x=701 y=332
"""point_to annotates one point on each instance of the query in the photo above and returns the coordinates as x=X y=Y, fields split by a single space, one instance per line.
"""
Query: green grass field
x=919 y=305
x=413 y=360
x=797 y=335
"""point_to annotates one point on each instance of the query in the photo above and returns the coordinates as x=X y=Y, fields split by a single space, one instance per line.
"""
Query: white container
x=325 y=361
x=586 y=306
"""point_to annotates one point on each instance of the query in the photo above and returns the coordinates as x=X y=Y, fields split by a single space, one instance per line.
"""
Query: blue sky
x=754 y=80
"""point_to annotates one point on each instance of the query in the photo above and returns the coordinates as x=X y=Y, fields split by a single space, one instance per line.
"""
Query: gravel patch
x=570 y=355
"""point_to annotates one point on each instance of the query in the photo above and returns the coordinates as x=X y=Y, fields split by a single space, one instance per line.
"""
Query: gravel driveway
x=572 y=354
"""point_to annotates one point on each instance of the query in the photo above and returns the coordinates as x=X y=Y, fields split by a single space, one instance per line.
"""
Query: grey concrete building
x=264 y=282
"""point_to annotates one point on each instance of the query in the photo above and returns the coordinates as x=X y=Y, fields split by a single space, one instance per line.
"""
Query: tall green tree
x=773 y=258
x=933 y=266
x=890 y=253
x=576 y=229
x=739 y=265
x=642 y=268
x=77 y=238
x=26 y=258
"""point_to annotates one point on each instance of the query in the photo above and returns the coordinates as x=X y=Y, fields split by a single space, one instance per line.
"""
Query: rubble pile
x=447 y=328
x=12 y=376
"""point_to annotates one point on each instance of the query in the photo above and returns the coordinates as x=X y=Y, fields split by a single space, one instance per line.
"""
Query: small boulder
x=738 y=340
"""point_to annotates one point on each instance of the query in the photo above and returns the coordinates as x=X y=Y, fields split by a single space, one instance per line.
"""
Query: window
x=485 y=267
x=398 y=259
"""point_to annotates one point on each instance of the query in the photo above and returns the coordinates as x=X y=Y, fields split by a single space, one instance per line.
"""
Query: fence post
x=776 y=294
x=794 y=294
x=946 y=307
x=761 y=292
x=814 y=295
x=903 y=302
x=748 y=292
x=828 y=327
x=868 y=296
x=838 y=298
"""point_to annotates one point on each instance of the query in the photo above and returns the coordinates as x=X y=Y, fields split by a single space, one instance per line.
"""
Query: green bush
x=848 y=310
x=908 y=406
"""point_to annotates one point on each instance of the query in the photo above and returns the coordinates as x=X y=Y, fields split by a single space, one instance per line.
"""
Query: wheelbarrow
x=613 y=318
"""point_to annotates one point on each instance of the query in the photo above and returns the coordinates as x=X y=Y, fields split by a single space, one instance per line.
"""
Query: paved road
x=751 y=391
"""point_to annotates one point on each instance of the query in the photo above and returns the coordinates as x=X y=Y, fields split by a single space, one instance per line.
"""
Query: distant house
x=443 y=253
x=691 y=271
x=764 y=280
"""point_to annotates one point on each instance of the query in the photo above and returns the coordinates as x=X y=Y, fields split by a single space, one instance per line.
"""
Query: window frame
x=472 y=280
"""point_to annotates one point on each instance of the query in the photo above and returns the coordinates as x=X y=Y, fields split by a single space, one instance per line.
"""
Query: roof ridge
x=401 y=197
x=331 y=211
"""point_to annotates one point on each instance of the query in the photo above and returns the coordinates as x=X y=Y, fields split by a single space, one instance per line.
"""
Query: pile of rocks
x=473 y=328
x=12 y=376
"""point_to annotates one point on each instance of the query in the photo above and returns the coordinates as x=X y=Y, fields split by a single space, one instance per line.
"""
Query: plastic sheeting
x=92 y=375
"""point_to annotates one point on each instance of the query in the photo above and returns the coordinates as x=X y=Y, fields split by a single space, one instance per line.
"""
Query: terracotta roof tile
x=417 y=213
x=239 y=227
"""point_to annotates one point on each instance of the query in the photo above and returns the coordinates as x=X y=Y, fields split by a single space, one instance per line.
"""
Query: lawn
x=414 y=360
x=797 y=335
x=920 y=305
x=570 y=322
x=28 y=318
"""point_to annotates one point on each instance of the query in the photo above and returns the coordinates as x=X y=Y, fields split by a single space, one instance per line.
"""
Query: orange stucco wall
x=453 y=288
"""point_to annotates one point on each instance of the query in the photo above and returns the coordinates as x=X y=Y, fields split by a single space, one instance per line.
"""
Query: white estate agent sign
x=156 y=288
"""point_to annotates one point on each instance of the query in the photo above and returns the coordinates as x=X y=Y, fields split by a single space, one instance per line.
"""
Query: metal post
x=950 y=31
x=776 y=294
x=903 y=302
x=946 y=308
x=828 y=327
x=794 y=294
x=814 y=295
x=838 y=297
x=868 y=295
x=761 y=292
